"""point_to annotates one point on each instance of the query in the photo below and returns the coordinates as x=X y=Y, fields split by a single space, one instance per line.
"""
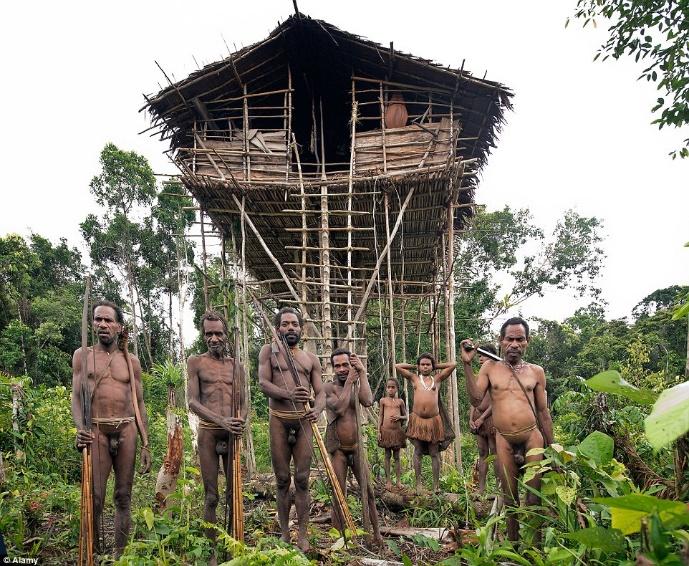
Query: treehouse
x=343 y=169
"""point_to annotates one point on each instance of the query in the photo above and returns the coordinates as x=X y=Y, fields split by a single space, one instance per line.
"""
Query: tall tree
x=125 y=183
x=655 y=32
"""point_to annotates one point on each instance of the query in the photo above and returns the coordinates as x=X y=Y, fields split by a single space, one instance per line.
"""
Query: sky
x=579 y=136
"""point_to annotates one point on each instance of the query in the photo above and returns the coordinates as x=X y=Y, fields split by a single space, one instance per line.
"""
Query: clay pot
x=396 y=112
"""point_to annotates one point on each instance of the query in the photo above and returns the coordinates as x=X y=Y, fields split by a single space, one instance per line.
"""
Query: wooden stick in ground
x=238 y=502
x=86 y=527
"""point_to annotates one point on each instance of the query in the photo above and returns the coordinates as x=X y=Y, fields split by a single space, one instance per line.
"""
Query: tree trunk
x=169 y=471
x=17 y=393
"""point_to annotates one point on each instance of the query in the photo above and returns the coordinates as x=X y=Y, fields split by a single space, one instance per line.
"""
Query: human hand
x=300 y=394
x=478 y=422
x=312 y=415
x=355 y=362
x=145 y=460
x=84 y=438
x=234 y=424
x=468 y=350
x=395 y=418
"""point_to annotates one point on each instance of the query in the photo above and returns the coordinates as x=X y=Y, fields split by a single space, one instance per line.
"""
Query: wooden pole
x=351 y=328
x=206 y=302
x=325 y=259
x=383 y=255
x=451 y=339
x=391 y=302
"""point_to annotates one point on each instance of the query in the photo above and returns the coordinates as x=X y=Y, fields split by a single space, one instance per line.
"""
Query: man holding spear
x=343 y=435
x=286 y=375
x=215 y=394
x=114 y=395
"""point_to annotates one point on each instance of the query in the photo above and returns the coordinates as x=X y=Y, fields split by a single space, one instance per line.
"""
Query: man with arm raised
x=520 y=412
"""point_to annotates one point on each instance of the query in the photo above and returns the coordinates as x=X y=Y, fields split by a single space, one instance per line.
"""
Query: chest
x=218 y=373
x=302 y=363
x=102 y=366
x=507 y=382
x=391 y=406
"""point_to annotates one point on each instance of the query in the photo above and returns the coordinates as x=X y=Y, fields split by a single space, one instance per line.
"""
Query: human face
x=215 y=337
x=482 y=359
x=391 y=389
x=341 y=366
x=425 y=366
x=513 y=343
x=290 y=328
x=105 y=324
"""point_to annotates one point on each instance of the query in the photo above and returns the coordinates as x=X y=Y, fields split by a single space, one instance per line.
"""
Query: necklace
x=518 y=368
x=423 y=383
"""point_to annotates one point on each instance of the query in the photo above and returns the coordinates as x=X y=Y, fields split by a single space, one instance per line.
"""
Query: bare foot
x=213 y=560
x=388 y=485
x=303 y=543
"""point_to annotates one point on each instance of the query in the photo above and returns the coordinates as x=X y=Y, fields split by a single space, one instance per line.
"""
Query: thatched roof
x=323 y=59
x=326 y=51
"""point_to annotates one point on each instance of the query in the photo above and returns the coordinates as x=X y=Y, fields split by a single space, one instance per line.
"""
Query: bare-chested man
x=114 y=428
x=290 y=418
x=481 y=424
x=342 y=435
x=517 y=429
x=425 y=428
x=212 y=379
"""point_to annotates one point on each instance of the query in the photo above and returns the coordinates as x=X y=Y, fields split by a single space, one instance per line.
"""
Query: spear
x=329 y=470
x=233 y=471
x=86 y=526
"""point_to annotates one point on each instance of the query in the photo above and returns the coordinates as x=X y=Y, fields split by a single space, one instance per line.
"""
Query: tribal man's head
x=214 y=330
x=514 y=338
x=108 y=322
x=341 y=363
x=288 y=323
x=425 y=363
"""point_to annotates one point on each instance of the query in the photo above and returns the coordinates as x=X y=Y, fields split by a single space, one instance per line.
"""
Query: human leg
x=101 y=464
x=280 y=454
x=482 y=445
x=398 y=466
x=435 y=464
x=507 y=473
x=208 y=460
x=123 y=466
x=418 y=454
x=388 y=453
x=302 y=451
x=339 y=462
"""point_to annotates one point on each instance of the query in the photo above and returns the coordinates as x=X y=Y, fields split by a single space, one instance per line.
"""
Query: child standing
x=390 y=433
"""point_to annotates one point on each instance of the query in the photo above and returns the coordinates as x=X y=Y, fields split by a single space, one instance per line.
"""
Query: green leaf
x=681 y=311
x=598 y=446
x=608 y=540
x=628 y=510
x=566 y=494
x=148 y=517
x=669 y=418
x=612 y=382
x=393 y=546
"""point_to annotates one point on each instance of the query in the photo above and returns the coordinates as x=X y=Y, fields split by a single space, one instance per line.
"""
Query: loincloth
x=394 y=438
x=209 y=425
x=519 y=432
x=287 y=415
x=114 y=422
x=429 y=430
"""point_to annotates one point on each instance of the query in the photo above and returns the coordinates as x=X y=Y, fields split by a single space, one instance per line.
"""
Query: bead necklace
x=423 y=382
x=518 y=368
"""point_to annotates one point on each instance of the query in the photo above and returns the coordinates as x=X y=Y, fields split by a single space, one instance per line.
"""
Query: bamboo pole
x=391 y=302
x=351 y=328
x=325 y=256
x=203 y=262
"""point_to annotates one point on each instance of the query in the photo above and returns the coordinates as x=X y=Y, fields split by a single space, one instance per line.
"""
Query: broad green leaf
x=535 y=451
x=612 y=382
x=148 y=517
x=608 y=540
x=628 y=510
x=598 y=446
x=669 y=418
x=566 y=494
x=681 y=312
x=338 y=544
